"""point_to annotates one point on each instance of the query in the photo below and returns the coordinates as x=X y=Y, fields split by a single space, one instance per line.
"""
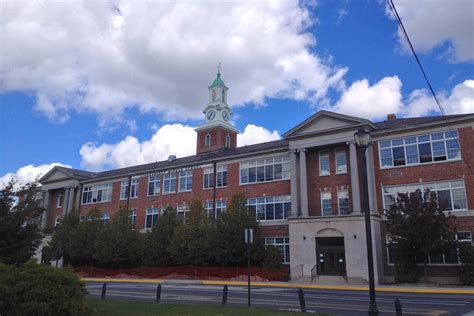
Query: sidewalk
x=435 y=289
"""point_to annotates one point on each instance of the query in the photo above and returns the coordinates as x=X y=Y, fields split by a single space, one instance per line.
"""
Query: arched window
x=213 y=95
x=227 y=141
x=207 y=140
x=223 y=95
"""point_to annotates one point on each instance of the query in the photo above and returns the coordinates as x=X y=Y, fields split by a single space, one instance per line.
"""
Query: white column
x=355 y=189
x=66 y=201
x=371 y=178
x=294 y=183
x=70 y=200
x=303 y=183
x=46 y=206
x=78 y=198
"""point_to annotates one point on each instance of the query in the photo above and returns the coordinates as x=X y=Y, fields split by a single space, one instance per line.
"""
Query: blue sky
x=98 y=86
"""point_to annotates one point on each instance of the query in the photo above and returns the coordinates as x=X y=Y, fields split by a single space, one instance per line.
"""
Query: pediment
x=324 y=121
x=54 y=175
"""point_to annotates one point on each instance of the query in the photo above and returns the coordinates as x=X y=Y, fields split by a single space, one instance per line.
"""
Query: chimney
x=391 y=117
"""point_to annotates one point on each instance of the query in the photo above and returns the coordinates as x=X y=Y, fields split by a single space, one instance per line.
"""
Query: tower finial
x=219 y=69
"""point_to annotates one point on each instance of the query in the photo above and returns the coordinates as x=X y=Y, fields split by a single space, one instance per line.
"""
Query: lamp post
x=362 y=139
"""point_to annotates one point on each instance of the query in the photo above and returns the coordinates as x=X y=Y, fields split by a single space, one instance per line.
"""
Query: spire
x=218 y=81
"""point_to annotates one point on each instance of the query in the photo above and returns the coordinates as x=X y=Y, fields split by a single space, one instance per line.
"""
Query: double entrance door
x=330 y=256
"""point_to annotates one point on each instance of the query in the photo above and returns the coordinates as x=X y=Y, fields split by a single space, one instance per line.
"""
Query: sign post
x=248 y=241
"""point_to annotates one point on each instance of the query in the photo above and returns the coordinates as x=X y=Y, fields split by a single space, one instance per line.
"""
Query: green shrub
x=34 y=289
x=466 y=252
x=273 y=258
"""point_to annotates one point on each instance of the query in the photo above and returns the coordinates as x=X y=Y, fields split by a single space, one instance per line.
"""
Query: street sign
x=248 y=235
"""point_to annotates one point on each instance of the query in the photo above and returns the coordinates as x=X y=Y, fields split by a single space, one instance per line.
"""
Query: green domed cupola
x=218 y=82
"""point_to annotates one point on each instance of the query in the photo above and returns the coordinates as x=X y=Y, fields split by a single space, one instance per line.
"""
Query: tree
x=466 y=253
x=117 y=243
x=229 y=244
x=20 y=231
x=419 y=227
x=156 y=246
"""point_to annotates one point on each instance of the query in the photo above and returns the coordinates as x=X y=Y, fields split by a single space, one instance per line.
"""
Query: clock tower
x=217 y=132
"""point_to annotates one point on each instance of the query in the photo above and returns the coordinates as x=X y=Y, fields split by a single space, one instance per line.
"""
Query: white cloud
x=28 y=173
x=176 y=139
x=256 y=134
x=432 y=23
x=385 y=97
x=374 y=102
x=103 y=57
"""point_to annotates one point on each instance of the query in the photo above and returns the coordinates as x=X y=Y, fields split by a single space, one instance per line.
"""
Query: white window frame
x=105 y=190
x=283 y=161
x=415 y=141
x=260 y=204
x=341 y=152
x=221 y=207
x=133 y=216
x=156 y=180
x=207 y=140
x=339 y=197
x=324 y=197
x=184 y=209
x=186 y=177
x=152 y=211
x=221 y=176
x=57 y=221
x=208 y=177
x=433 y=186
x=105 y=217
x=133 y=192
x=227 y=141
x=285 y=244
x=324 y=154
x=60 y=202
x=168 y=179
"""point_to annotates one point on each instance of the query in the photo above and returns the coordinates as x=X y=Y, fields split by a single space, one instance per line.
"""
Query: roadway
x=337 y=302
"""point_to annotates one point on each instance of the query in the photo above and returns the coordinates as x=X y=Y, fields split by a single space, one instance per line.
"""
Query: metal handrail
x=296 y=272
x=314 y=272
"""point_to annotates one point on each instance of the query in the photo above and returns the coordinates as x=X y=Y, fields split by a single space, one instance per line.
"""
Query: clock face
x=225 y=115
x=211 y=115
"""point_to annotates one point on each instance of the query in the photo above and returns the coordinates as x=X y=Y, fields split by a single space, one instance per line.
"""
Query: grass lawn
x=139 y=308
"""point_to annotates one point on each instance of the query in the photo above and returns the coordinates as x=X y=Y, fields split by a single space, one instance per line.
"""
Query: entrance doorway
x=330 y=256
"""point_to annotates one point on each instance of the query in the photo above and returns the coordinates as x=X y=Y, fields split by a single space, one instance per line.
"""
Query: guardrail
x=314 y=272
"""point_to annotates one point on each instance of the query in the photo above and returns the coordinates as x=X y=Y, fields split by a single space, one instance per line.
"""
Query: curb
x=287 y=285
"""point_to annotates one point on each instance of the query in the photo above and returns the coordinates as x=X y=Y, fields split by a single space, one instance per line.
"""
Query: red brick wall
x=218 y=135
x=143 y=201
x=332 y=182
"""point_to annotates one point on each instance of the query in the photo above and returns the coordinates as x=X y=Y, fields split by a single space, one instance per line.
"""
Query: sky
x=97 y=85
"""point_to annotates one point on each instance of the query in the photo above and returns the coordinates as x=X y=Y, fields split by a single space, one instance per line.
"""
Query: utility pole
x=248 y=241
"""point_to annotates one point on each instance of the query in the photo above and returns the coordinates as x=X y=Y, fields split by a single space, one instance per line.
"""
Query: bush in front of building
x=466 y=254
x=33 y=289
x=418 y=227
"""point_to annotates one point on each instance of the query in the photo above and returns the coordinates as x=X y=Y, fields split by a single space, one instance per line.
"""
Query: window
x=133 y=216
x=341 y=161
x=420 y=149
x=453 y=193
x=282 y=244
x=263 y=170
x=96 y=194
x=326 y=204
x=60 y=200
x=169 y=182
x=227 y=141
x=207 y=140
x=213 y=95
x=208 y=177
x=270 y=208
x=124 y=192
x=223 y=95
x=343 y=202
x=154 y=185
x=324 y=168
x=151 y=217
x=208 y=209
x=186 y=181
x=451 y=256
x=105 y=217
x=221 y=206
x=221 y=176
x=57 y=221
x=181 y=211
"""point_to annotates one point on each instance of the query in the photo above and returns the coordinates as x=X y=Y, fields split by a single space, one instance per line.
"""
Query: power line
x=441 y=109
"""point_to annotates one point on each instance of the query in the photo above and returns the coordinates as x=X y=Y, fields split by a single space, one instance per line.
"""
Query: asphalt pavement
x=336 y=302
